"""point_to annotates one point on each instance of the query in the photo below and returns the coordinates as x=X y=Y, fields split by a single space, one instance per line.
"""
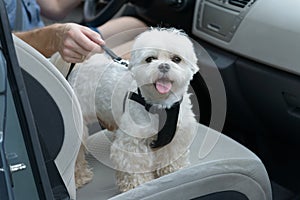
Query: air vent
x=239 y=3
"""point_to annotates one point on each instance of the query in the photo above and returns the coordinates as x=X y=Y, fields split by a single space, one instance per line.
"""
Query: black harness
x=168 y=119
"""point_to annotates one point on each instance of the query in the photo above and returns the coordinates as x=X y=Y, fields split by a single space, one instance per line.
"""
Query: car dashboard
x=261 y=30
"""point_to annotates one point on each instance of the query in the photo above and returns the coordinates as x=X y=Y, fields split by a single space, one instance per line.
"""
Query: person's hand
x=78 y=43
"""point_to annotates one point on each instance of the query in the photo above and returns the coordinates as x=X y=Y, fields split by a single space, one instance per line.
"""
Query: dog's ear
x=193 y=63
x=194 y=67
x=133 y=59
x=190 y=55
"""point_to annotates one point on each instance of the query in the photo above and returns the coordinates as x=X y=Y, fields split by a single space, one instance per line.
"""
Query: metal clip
x=122 y=62
x=17 y=167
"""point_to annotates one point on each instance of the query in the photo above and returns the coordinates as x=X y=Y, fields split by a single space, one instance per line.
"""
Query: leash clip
x=121 y=61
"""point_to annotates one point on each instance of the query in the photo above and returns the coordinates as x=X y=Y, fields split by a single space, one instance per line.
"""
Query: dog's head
x=163 y=62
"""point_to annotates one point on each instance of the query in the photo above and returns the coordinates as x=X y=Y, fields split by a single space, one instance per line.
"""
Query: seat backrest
x=56 y=110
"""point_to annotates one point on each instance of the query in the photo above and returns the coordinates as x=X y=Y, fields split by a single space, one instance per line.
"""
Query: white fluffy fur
x=101 y=86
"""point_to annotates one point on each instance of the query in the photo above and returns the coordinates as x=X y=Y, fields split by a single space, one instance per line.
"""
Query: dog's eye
x=149 y=59
x=176 y=59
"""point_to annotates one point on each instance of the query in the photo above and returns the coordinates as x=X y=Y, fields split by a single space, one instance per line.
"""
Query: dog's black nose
x=164 y=67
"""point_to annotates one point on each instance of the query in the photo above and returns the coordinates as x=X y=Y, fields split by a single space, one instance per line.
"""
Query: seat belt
x=19 y=16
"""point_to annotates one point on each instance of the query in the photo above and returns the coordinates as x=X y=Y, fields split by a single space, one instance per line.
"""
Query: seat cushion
x=218 y=164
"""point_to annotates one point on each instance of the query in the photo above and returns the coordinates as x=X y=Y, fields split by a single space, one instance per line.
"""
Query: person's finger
x=74 y=60
x=72 y=49
x=88 y=40
x=71 y=56
x=93 y=36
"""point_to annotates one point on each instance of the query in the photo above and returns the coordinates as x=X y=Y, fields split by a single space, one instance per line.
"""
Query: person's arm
x=57 y=9
x=74 y=42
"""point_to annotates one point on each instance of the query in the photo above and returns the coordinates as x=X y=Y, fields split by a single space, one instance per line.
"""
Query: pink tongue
x=163 y=87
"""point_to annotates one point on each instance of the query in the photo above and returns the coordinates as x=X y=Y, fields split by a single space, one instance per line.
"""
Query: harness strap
x=70 y=70
x=139 y=99
x=168 y=119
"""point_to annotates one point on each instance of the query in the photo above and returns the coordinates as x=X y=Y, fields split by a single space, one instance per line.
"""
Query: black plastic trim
x=224 y=195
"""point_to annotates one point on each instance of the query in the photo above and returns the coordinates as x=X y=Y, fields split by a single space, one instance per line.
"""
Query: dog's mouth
x=163 y=85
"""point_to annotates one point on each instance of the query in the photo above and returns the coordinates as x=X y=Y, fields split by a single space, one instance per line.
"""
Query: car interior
x=247 y=94
x=236 y=173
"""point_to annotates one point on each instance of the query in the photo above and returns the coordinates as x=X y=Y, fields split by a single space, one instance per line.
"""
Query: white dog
x=146 y=106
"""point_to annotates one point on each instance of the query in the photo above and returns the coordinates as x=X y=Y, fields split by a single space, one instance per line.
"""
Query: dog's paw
x=83 y=177
x=127 y=187
x=127 y=181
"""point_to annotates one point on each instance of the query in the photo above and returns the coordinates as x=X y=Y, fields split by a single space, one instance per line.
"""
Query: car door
x=22 y=171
